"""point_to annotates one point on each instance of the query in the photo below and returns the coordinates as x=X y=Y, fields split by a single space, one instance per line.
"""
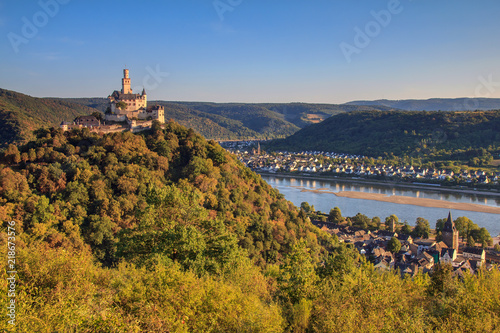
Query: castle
x=125 y=105
x=126 y=111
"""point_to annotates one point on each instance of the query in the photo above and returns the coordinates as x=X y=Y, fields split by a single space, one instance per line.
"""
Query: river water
x=292 y=189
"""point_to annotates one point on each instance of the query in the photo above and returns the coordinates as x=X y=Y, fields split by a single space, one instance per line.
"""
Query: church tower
x=126 y=83
x=450 y=233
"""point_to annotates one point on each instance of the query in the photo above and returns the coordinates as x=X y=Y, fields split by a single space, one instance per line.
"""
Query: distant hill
x=399 y=132
x=435 y=104
x=229 y=121
x=21 y=114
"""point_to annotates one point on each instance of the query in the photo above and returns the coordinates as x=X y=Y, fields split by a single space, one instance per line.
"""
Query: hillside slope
x=168 y=203
x=230 y=121
x=435 y=104
x=167 y=232
x=21 y=114
x=401 y=133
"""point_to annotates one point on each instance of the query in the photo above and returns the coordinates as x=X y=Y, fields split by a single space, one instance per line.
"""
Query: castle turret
x=143 y=92
x=126 y=83
x=450 y=233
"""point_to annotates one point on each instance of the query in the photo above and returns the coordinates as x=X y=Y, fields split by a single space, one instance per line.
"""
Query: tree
x=471 y=241
x=442 y=281
x=12 y=155
x=497 y=247
x=440 y=225
x=376 y=222
x=465 y=226
x=121 y=105
x=298 y=276
x=98 y=116
x=335 y=215
x=406 y=229
x=482 y=236
x=361 y=220
x=305 y=206
x=422 y=228
x=394 y=245
x=439 y=229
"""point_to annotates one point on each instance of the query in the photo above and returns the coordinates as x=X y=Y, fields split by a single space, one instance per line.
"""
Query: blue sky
x=252 y=50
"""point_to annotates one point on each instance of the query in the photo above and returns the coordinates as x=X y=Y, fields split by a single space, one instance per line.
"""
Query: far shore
x=386 y=183
x=405 y=200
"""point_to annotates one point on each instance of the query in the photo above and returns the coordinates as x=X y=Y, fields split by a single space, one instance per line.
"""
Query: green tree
x=121 y=105
x=298 y=277
x=406 y=229
x=442 y=281
x=394 y=245
x=440 y=225
x=98 y=116
x=471 y=241
x=439 y=229
x=361 y=221
x=422 y=228
x=497 y=247
x=335 y=215
x=465 y=226
x=482 y=236
x=305 y=206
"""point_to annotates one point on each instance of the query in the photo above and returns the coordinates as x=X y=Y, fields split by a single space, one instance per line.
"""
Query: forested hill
x=175 y=213
x=21 y=114
x=401 y=133
x=227 y=121
x=435 y=104
x=167 y=232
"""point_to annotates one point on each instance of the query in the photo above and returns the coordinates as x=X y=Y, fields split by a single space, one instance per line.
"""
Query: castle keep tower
x=126 y=83
x=125 y=104
x=450 y=233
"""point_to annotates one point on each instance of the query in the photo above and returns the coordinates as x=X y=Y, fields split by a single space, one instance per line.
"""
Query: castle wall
x=116 y=117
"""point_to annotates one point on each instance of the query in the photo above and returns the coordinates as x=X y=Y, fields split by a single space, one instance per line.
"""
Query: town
x=358 y=166
x=393 y=248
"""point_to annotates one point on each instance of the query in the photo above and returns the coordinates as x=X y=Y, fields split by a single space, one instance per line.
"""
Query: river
x=320 y=194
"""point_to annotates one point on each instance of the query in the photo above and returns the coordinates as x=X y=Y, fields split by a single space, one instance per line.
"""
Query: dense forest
x=167 y=232
x=21 y=114
x=466 y=137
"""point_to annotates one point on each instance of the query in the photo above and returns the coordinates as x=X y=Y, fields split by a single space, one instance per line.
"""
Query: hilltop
x=435 y=104
x=426 y=135
x=21 y=114
x=231 y=121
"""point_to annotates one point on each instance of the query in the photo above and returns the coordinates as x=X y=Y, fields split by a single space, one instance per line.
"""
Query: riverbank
x=386 y=183
x=405 y=200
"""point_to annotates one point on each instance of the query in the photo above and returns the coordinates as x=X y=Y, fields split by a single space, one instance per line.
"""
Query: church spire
x=449 y=224
x=450 y=233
